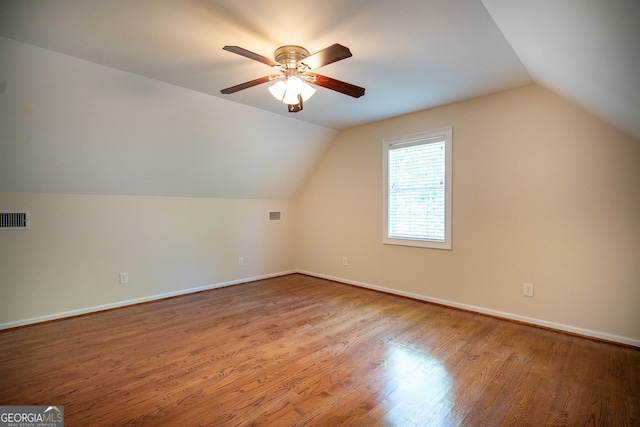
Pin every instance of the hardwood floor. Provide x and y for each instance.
(298, 350)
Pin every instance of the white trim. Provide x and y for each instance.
(511, 316)
(445, 135)
(501, 314)
(119, 304)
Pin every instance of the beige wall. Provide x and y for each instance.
(69, 261)
(195, 176)
(543, 193)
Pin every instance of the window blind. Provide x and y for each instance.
(416, 189)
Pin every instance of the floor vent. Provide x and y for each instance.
(275, 215)
(14, 220)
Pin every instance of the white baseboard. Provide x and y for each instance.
(511, 316)
(524, 319)
(118, 304)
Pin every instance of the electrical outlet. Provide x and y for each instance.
(345, 261)
(528, 290)
(240, 260)
(124, 278)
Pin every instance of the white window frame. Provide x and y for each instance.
(436, 135)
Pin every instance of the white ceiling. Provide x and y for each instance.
(409, 55)
(587, 51)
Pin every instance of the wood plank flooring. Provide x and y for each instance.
(297, 350)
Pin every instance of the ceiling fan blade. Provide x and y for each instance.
(246, 85)
(248, 54)
(333, 53)
(338, 86)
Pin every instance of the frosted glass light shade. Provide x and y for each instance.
(294, 85)
(281, 91)
(307, 92)
(290, 98)
(278, 90)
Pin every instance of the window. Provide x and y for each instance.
(417, 189)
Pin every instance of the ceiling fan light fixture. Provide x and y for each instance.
(278, 90)
(288, 92)
(294, 85)
(290, 98)
(307, 91)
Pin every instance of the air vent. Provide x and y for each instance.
(14, 220)
(275, 215)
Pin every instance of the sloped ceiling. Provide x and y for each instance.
(183, 137)
(587, 51)
(409, 55)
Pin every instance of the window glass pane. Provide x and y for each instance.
(416, 186)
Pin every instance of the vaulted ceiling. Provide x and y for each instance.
(587, 51)
(409, 55)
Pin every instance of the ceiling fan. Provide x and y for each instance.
(295, 66)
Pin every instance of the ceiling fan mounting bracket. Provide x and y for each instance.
(289, 56)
